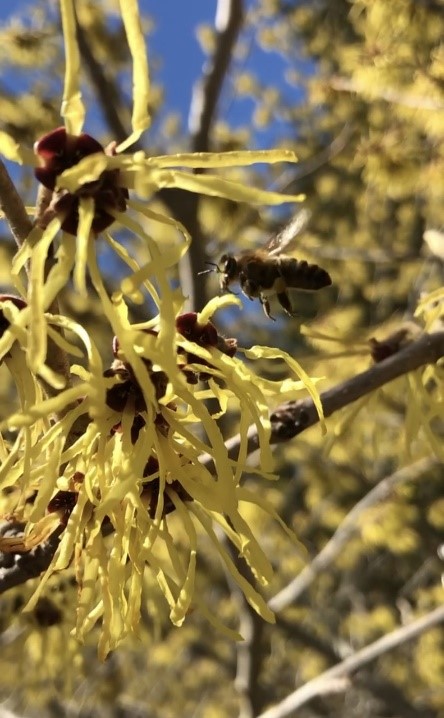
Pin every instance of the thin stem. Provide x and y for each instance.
(346, 530)
(291, 419)
(206, 92)
(337, 678)
(13, 208)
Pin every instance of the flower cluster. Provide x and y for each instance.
(128, 464)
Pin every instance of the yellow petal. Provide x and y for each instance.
(72, 106)
(141, 82)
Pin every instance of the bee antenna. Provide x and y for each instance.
(214, 268)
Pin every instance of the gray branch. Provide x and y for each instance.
(292, 418)
(346, 530)
(336, 679)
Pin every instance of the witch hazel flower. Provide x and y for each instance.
(125, 462)
(58, 151)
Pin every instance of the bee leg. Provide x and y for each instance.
(248, 288)
(284, 301)
(224, 288)
(266, 306)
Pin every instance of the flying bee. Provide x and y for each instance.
(263, 272)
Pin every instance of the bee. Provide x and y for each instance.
(264, 272)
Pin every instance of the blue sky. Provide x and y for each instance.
(178, 58)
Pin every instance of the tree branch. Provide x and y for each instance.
(380, 688)
(205, 97)
(336, 679)
(250, 651)
(13, 208)
(406, 99)
(229, 17)
(346, 530)
(107, 92)
(291, 419)
(17, 568)
(206, 92)
(181, 204)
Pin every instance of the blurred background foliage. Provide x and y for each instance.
(360, 97)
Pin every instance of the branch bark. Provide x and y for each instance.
(183, 205)
(387, 693)
(204, 101)
(417, 102)
(250, 651)
(14, 210)
(291, 419)
(337, 678)
(18, 568)
(206, 92)
(107, 92)
(346, 530)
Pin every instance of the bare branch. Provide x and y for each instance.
(206, 92)
(373, 256)
(381, 688)
(6, 713)
(346, 530)
(18, 568)
(335, 678)
(107, 92)
(290, 179)
(293, 418)
(250, 651)
(417, 102)
(249, 659)
(181, 204)
(229, 19)
(13, 208)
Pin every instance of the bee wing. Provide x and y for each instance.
(284, 238)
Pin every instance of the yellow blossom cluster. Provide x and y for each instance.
(108, 453)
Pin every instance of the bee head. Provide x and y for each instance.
(229, 264)
(228, 270)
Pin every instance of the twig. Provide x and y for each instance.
(6, 713)
(327, 682)
(381, 688)
(249, 651)
(290, 180)
(18, 568)
(107, 92)
(13, 208)
(229, 15)
(206, 92)
(346, 530)
(343, 254)
(181, 204)
(293, 418)
(417, 102)
(205, 97)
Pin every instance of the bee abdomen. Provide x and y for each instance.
(299, 274)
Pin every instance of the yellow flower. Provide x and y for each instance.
(125, 450)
